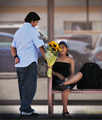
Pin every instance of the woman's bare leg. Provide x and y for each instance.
(65, 95)
(73, 79)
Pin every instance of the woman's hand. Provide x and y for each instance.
(61, 77)
(49, 66)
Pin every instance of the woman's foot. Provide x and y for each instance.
(61, 87)
(66, 114)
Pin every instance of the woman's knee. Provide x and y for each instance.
(80, 74)
(67, 90)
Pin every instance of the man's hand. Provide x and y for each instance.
(17, 60)
(49, 66)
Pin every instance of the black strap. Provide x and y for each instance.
(15, 56)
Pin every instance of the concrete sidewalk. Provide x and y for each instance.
(77, 113)
(43, 109)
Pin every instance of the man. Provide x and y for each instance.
(24, 49)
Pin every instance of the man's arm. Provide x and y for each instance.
(14, 54)
(42, 51)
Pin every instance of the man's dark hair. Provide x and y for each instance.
(31, 16)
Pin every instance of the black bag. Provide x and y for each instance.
(91, 77)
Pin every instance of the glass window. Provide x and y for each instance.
(81, 26)
(76, 26)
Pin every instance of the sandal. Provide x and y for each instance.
(66, 113)
(61, 87)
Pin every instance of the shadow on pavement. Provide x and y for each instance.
(50, 117)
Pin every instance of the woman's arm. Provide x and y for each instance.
(72, 68)
(61, 77)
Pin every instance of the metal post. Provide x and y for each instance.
(101, 16)
(87, 12)
(50, 9)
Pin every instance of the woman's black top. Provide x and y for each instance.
(61, 67)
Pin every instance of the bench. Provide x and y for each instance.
(51, 93)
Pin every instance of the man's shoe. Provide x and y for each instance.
(61, 87)
(34, 113)
(26, 113)
(29, 114)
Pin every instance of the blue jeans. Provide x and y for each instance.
(57, 82)
(27, 82)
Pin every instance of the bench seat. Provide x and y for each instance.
(81, 91)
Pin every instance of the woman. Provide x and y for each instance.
(63, 75)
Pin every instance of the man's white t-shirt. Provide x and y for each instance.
(27, 40)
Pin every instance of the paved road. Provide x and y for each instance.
(9, 90)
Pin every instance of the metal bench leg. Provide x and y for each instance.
(50, 97)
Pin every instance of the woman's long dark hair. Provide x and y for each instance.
(65, 46)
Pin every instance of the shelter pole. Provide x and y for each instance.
(50, 4)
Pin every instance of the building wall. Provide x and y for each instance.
(44, 2)
(14, 11)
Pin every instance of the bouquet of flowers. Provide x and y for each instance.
(51, 53)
